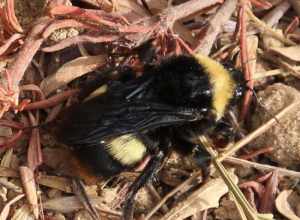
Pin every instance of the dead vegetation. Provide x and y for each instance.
(48, 48)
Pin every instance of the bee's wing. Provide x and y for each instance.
(94, 121)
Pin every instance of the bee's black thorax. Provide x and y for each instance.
(181, 81)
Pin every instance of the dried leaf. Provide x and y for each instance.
(292, 53)
(34, 153)
(27, 177)
(206, 197)
(6, 159)
(60, 183)
(283, 205)
(70, 71)
(59, 205)
(83, 215)
(6, 208)
(4, 182)
(23, 213)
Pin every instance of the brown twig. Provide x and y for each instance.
(262, 167)
(215, 25)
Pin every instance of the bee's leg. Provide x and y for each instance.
(200, 155)
(203, 159)
(151, 168)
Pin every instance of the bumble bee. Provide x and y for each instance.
(117, 125)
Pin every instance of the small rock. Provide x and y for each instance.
(284, 136)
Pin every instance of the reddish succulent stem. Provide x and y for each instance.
(53, 101)
(13, 21)
(261, 4)
(79, 39)
(292, 26)
(76, 12)
(11, 124)
(11, 141)
(244, 61)
(9, 42)
(256, 153)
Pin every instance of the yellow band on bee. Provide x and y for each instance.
(222, 83)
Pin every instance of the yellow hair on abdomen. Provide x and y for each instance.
(222, 83)
(127, 149)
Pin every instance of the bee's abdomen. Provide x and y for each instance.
(112, 156)
(98, 160)
(126, 149)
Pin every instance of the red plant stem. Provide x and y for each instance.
(184, 45)
(22, 105)
(76, 12)
(256, 186)
(11, 141)
(9, 42)
(11, 124)
(53, 101)
(261, 4)
(268, 199)
(256, 153)
(79, 39)
(264, 177)
(13, 21)
(292, 26)
(244, 61)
